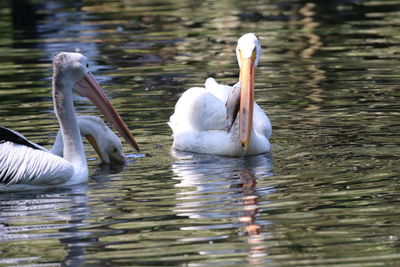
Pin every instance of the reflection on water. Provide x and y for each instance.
(27, 218)
(224, 189)
(328, 77)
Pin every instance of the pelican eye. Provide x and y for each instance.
(240, 53)
(253, 55)
(87, 65)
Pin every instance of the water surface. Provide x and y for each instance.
(329, 80)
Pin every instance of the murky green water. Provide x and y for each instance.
(327, 195)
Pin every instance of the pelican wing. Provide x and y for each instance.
(7, 134)
(221, 91)
(200, 110)
(261, 122)
(20, 164)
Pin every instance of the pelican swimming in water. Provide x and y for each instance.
(106, 144)
(224, 120)
(24, 167)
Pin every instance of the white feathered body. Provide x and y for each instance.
(199, 123)
(22, 166)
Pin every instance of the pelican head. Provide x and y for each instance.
(248, 52)
(106, 144)
(248, 46)
(71, 70)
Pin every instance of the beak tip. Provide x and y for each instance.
(244, 145)
(135, 146)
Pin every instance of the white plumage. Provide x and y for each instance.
(25, 165)
(203, 116)
(199, 123)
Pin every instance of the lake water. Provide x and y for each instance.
(329, 78)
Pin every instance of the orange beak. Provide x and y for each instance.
(88, 87)
(247, 73)
(94, 144)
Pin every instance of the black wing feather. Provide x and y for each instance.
(12, 136)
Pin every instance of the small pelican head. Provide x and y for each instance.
(248, 47)
(69, 67)
(104, 141)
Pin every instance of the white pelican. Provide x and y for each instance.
(205, 121)
(23, 167)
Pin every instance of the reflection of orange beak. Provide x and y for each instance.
(246, 108)
(89, 88)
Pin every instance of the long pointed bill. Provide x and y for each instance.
(246, 108)
(89, 88)
(94, 144)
